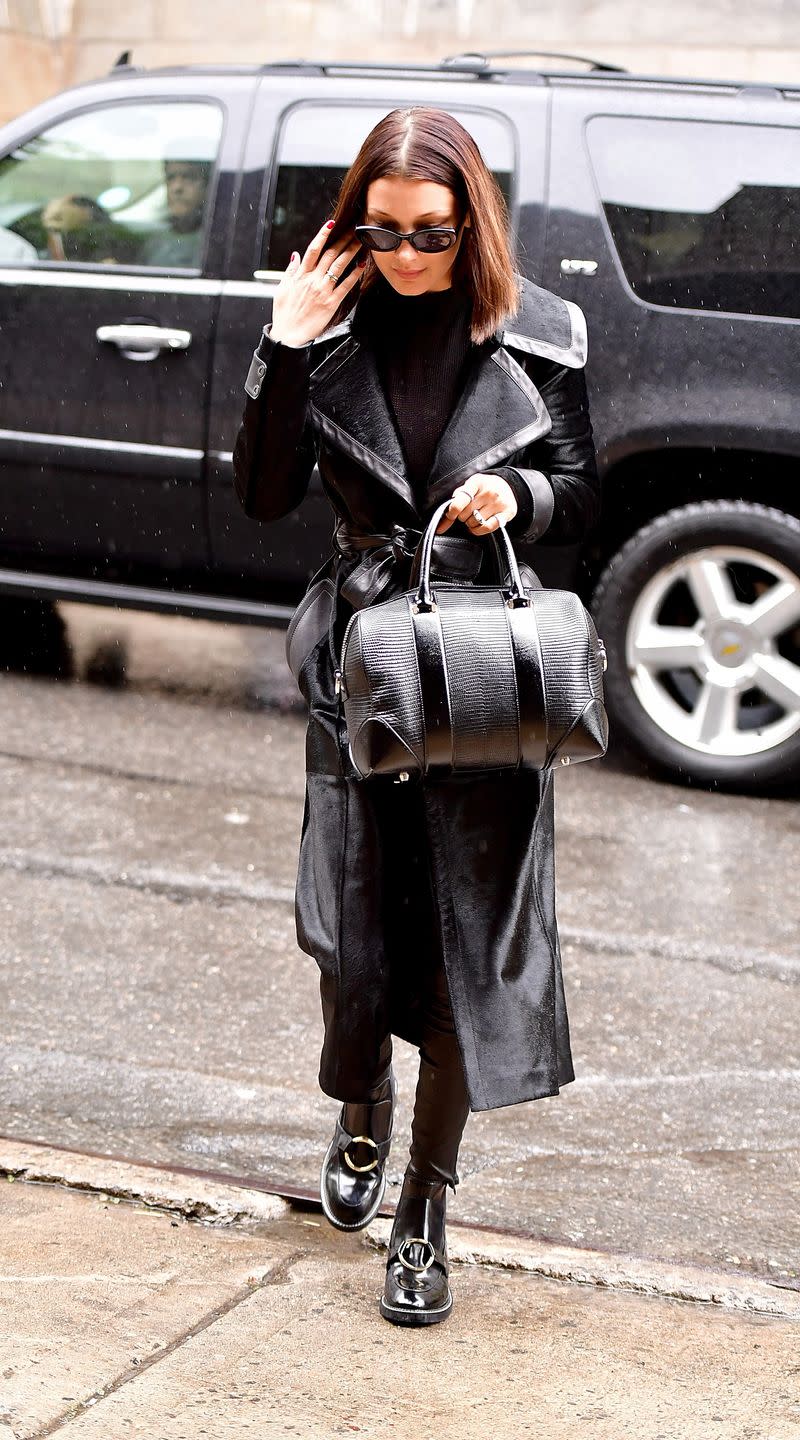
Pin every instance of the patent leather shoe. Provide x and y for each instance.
(352, 1179)
(417, 1290)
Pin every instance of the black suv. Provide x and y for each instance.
(144, 223)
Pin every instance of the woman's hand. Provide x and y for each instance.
(307, 297)
(490, 495)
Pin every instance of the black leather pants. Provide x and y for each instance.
(441, 1103)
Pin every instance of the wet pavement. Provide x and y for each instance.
(156, 1005)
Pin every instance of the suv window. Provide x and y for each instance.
(319, 142)
(703, 215)
(124, 184)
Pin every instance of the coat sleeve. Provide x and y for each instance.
(274, 453)
(561, 495)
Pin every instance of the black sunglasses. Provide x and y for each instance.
(429, 241)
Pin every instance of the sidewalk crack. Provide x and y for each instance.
(278, 1274)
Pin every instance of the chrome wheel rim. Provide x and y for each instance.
(713, 651)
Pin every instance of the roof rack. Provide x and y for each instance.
(470, 62)
(478, 60)
(477, 64)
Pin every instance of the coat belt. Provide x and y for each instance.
(388, 555)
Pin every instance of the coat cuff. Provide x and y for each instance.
(534, 496)
(268, 352)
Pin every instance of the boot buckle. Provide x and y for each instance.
(365, 1140)
(416, 1240)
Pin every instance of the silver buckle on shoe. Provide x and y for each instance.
(365, 1140)
(415, 1240)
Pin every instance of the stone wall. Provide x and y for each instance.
(48, 44)
(31, 64)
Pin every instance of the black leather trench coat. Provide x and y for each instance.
(393, 875)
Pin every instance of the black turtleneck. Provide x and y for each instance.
(423, 349)
(422, 345)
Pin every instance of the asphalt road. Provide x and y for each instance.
(154, 1004)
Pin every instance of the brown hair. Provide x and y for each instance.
(424, 142)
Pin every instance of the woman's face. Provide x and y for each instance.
(403, 204)
(64, 214)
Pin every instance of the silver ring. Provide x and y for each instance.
(476, 515)
(331, 275)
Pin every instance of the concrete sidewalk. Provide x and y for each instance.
(147, 1303)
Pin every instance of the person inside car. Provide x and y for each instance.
(179, 244)
(78, 228)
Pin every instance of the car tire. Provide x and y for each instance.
(700, 615)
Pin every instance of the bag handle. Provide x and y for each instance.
(423, 600)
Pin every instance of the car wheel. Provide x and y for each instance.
(700, 615)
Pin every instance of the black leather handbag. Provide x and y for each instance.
(471, 677)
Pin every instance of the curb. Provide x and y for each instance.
(206, 1200)
(216, 1203)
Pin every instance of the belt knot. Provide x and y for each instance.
(387, 557)
(386, 554)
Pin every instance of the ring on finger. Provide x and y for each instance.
(476, 515)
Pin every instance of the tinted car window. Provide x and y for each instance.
(318, 143)
(124, 184)
(703, 215)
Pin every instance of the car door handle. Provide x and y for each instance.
(144, 342)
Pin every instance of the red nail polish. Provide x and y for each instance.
(329, 225)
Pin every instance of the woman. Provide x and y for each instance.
(78, 228)
(428, 905)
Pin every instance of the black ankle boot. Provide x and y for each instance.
(416, 1290)
(352, 1180)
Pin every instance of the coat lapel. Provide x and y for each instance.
(351, 412)
(498, 412)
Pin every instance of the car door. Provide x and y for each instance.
(297, 153)
(107, 320)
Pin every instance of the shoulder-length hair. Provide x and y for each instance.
(423, 142)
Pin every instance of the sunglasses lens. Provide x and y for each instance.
(377, 239)
(429, 241)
